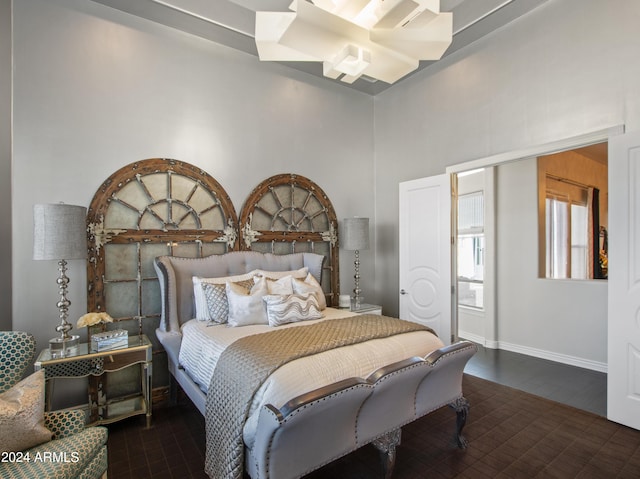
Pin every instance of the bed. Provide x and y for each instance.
(349, 396)
(156, 224)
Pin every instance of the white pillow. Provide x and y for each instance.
(247, 308)
(277, 286)
(291, 308)
(22, 415)
(310, 285)
(210, 296)
(297, 273)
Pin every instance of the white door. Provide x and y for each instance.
(623, 388)
(425, 253)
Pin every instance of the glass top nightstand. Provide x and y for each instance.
(90, 364)
(135, 343)
(365, 308)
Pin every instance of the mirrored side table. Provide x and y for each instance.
(365, 308)
(87, 364)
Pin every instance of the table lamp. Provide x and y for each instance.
(355, 237)
(60, 233)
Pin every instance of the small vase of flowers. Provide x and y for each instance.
(94, 322)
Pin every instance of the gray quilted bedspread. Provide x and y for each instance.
(248, 362)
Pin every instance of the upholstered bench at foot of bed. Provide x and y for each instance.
(352, 413)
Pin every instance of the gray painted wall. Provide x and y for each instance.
(96, 89)
(563, 70)
(566, 317)
(5, 165)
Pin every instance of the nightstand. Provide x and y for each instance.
(87, 364)
(367, 309)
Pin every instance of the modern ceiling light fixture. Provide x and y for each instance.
(382, 39)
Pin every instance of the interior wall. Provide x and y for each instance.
(5, 165)
(557, 319)
(96, 89)
(563, 70)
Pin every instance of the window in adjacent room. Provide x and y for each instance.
(471, 250)
(573, 197)
(567, 232)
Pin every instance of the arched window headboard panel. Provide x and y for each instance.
(146, 209)
(289, 213)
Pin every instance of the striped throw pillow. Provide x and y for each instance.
(283, 309)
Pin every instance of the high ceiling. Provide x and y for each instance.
(232, 23)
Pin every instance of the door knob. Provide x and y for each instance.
(402, 291)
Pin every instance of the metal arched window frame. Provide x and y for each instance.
(146, 209)
(289, 213)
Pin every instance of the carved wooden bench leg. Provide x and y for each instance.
(386, 445)
(461, 407)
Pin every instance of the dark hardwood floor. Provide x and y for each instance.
(581, 388)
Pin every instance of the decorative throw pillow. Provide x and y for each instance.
(22, 415)
(297, 273)
(310, 285)
(291, 308)
(246, 307)
(210, 296)
(277, 286)
(217, 309)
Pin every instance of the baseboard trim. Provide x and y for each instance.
(537, 353)
(476, 338)
(551, 356)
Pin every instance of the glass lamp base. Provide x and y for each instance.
(356, 301)
(61, 348)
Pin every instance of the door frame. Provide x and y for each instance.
(488, 338)
(557, 146)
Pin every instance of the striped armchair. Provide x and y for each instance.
(85, 448)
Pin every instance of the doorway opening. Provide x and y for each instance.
(514, 199)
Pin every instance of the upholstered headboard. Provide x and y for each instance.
(175, 276)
